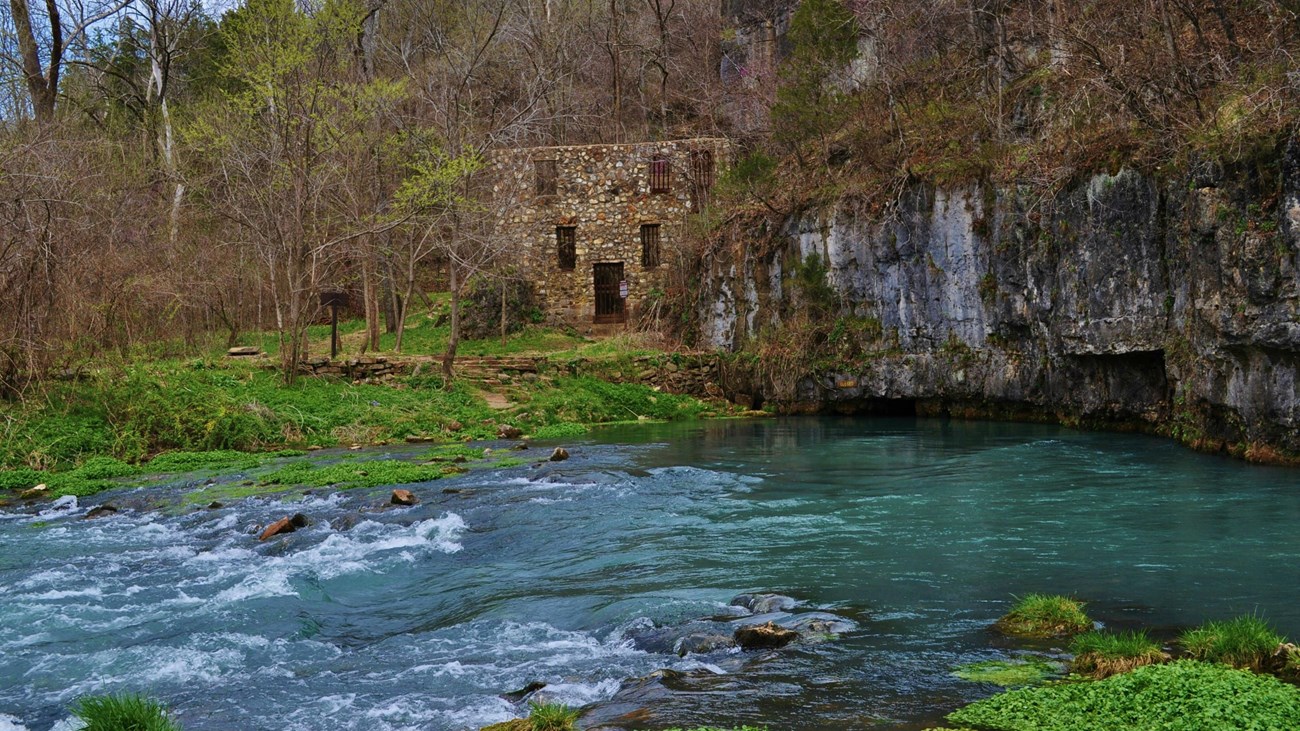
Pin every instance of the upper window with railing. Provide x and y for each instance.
(701, 177)
(661, 174)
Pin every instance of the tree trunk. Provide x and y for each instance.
(42, 85)
(370, 296)
(453, 340)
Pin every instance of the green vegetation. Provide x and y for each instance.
(1103, 654)
(123, 712)
(1044, 615)
(1182, 696)
(1244, 642)
(167, 417)
(823, 38)
(1010, 673)
(551, 717)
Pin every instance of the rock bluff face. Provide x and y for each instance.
(1121, 301)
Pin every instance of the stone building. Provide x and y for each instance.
(594, 224)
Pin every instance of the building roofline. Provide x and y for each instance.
(645, 143)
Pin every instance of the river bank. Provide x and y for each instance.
(148, 419)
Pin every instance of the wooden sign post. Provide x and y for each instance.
(334, 299)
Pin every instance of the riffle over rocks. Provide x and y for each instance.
(1125, 300)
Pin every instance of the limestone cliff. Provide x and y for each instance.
(1125, 300)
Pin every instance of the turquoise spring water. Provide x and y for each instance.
(919, 531)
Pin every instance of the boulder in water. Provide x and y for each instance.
(100, 511)
(701, 643)
(37, 491)
(518, 696)
(287, 524)
(768, 636)
(404, 497)
(764, 603)
(560, 454)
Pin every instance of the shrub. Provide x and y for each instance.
(551, 717)
(1180, 696)
(480, 313)
(123, 712)
(1244, 642)
(1044, 615)
(1103, 654)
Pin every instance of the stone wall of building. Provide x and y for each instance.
(604, 193)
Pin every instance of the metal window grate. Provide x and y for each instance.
(547, 176)
(649, 245)
(566, 240)
(661, 172)
(701, 178)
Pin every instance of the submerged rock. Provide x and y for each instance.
(100, 511)
(701, 643)
(768, 636)
(764, 603)
(818, 624)
(517, 696)
(345, 523)
(404, 497)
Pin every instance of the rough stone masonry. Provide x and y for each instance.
(602, 202)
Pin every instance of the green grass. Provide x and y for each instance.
(552, 717)
(1009, 673)
(1182, 696)
(1044, 615)
(349, 475)
(1103, 654)
(563, 430)
(123, 712)
(152, 417)
(1244, 642)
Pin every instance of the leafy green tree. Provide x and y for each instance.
(811, 101)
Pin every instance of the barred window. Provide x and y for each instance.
(702, 167)
(546, 176)
(701, 177)
(649, 245)
(661, 171)
(566, 239)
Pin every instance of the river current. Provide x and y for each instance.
(918, 531)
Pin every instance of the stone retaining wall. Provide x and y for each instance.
(694, 374)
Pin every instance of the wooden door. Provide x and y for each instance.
(609, 305)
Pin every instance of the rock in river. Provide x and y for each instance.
(764, 603)
(767, 636)
(560, 454)
(404, 497)
(100, 511)
(284, 525)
